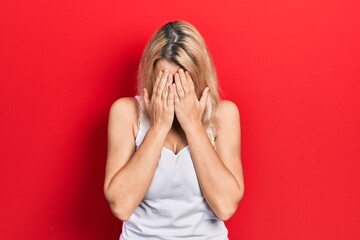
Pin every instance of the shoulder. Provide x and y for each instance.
(227, 106)
(226, 113)
(124, 111)
(124, 104)
(226, 109)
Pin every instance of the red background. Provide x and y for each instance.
(292, 67)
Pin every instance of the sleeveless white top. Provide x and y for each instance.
(174, 206)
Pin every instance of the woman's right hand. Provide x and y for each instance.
(160, 105)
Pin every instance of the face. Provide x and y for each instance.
(163, 64)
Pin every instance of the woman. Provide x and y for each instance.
(173, 168)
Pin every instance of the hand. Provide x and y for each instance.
(188, 108)
(161, 104)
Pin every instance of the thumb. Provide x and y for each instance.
(146, 98)
(204, 96)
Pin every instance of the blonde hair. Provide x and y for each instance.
(180, 43)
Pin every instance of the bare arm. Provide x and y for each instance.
(218, 169)
(128, 172)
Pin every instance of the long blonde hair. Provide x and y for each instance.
(180, 43)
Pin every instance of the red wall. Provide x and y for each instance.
(292, 67)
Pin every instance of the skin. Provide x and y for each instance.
(175, 114)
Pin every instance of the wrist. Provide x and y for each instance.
(159, 129)
(193, 127)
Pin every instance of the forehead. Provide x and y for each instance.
(163, 64)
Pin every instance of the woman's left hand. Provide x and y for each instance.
(188, 108)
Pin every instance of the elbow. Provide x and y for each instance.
(118, 211)
(226, 213)
(228, 210)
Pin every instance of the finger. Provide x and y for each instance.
(179, 88)
(190, 81)
(204, 96)
(184, 81)
(162, 83)
(169, 80)
(176, 97)
(170, 99)
(146, 98)
(165, 92)
(156, 84)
